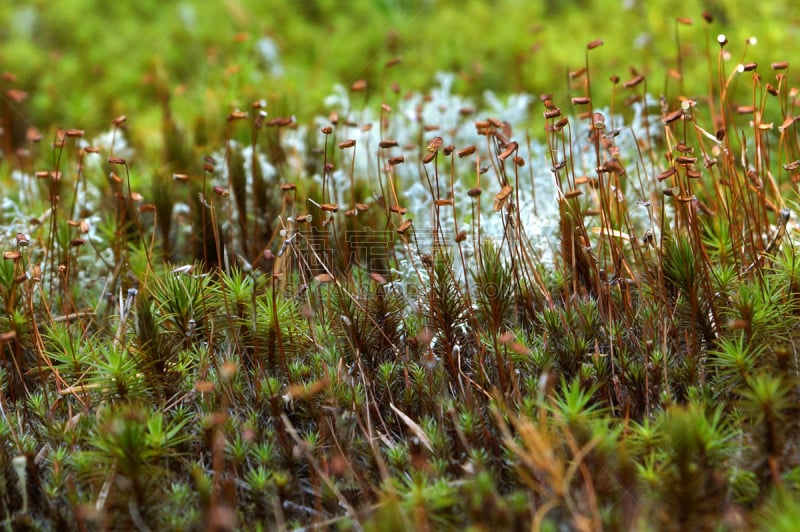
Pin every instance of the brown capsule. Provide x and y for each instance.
(613, 165)
(116, 160)
(428, 157)
(683, 148)
(21, 278)
(378, 278)
(358, 85)
(561, 123)
(572, 194)
(175, 177)
(671, 191)
(694, 174)
(552, 113)
(327, 130)
(594, 44)
(404, 226)
(461, 236)
(745, 109)
(474, 192)
(519, 161)
(510, 149)
(448, 149)
(581, 100)
(435, 144)
(684, 160)
(328, 167)
(495, 122)
(443, 202)
(362, 207)
(324, 278)
(780, 65)
(431, 127)
(329, 207)
(577, 73)
(42, 174)
(500, 197)
(22, 240)
(74, 132)
(221, 191)
(333, 118)
(748, 67)
(708, 17)
(75, 242)
(771, 89)
(673, 116)
(794, 165)
(598, 121)
(349, 143)
(33, 135)
(633, 81)
(603, 169)
(666, 175)
(720, 134)
(399, 159)
(12, 255)
(466, 111)
(393, 61)
(389, 143)
(147, 207)
(469, 150)
(788, 121)
(16, 95)
(303, 218)
(398, 209)
(237, 115)
(7, 336)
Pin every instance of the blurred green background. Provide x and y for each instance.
(82, 62)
